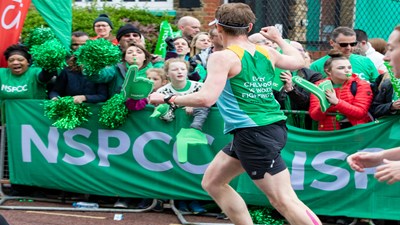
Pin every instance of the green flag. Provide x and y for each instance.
(58, 15)
(165, 31)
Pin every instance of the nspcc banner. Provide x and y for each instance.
(139, 160)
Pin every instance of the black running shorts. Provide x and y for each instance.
(259, 148)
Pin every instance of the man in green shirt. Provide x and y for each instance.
(344, 39)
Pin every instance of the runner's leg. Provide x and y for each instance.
(283, 198)
(216, 182)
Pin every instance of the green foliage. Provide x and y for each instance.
(83, 17)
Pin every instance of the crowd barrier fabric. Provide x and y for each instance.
(139, 159)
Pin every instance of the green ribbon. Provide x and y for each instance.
(318, 91)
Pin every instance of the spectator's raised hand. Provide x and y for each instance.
(286, 78)
(272, 33)
(170, 44)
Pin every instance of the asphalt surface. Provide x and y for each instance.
(45, 213)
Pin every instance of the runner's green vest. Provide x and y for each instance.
(247, 99)
(24, 86)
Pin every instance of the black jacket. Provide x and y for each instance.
(71, 83)
(383, 100)
(299, 98)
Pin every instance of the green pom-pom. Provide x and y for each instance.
(67, 114)
(97, 54)
(39, 36)
(262, 215)
(50, 55)
(114, 112)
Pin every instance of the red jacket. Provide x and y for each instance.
(354, 107)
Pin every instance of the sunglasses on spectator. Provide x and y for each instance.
(343, 45)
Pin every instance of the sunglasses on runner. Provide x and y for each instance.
(343, 45)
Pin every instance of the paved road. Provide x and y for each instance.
(49, 217)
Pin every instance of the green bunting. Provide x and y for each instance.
(50, 55)
(114, 112)
(39, 36)
(97, 54)
(263, 216)
(67, 114)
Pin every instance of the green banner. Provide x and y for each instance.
(139, 159)
(58, 15)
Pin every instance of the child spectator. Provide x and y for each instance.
(158, 76)
(177, 72)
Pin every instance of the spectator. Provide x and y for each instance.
(350, 96)
(78, 39)
(189, 26)
(71, 82)
(369, 51)
(177, 72)
(179, 48)
(259, 39)
(103, 26)
(128, 34)
(158, 76)
(114, 76)
(307, 59)
(200, 42)
(387, 162)
(292, 97)
(379, 45)
(19, 80)
(343, 39)
(386, 102)
(160, 79)
(216, 42)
